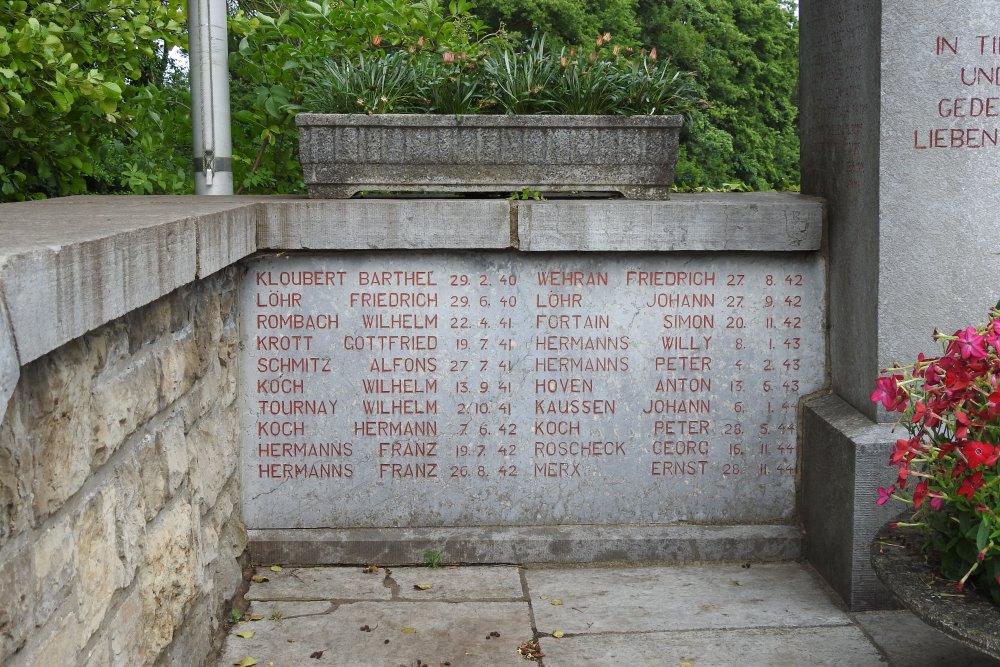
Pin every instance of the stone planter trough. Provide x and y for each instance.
(343, 154)
(967, 616)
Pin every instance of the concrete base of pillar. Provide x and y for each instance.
(845, 458)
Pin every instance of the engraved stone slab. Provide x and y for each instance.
(494, 388)
(940, 139)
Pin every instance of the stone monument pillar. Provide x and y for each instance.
(900, 122)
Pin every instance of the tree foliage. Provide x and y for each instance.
(73, 79)
(746, 56)
(573, 22)
(744, 51)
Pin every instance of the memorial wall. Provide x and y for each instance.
(501, 388)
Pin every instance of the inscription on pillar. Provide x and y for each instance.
(443, 389)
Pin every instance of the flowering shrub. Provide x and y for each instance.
(948, 473)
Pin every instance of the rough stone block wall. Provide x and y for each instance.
(120, 516)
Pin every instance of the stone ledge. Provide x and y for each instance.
(753, 221)
(70, 265)
(380, 224)
(544, 544)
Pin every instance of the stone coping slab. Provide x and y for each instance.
(753, 221)
(70, 265)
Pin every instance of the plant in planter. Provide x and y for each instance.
(948, 471)
(496, 119)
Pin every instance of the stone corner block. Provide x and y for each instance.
(845, 458)
(754, 221)
(384, 224)
(225, 238)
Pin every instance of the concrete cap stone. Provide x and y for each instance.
(70, 265)
(758, 221)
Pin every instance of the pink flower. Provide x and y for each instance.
(936, 503)
(971, 344)
(884, 494)
(888, 393)
(902, 451)
(993, 337)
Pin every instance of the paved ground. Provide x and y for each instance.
(685, 616)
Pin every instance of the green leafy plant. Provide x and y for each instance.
(504, 78)
(526, 194)
(519, 79)
(586, 87)
(372, 85)
(433, 558)
(452, 85)
(948, 471)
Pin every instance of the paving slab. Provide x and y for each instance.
(459, 583)
(475, 634)
(320, 583)
(774, 647)
(649, 599)
(906, 640)
(284, 610)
